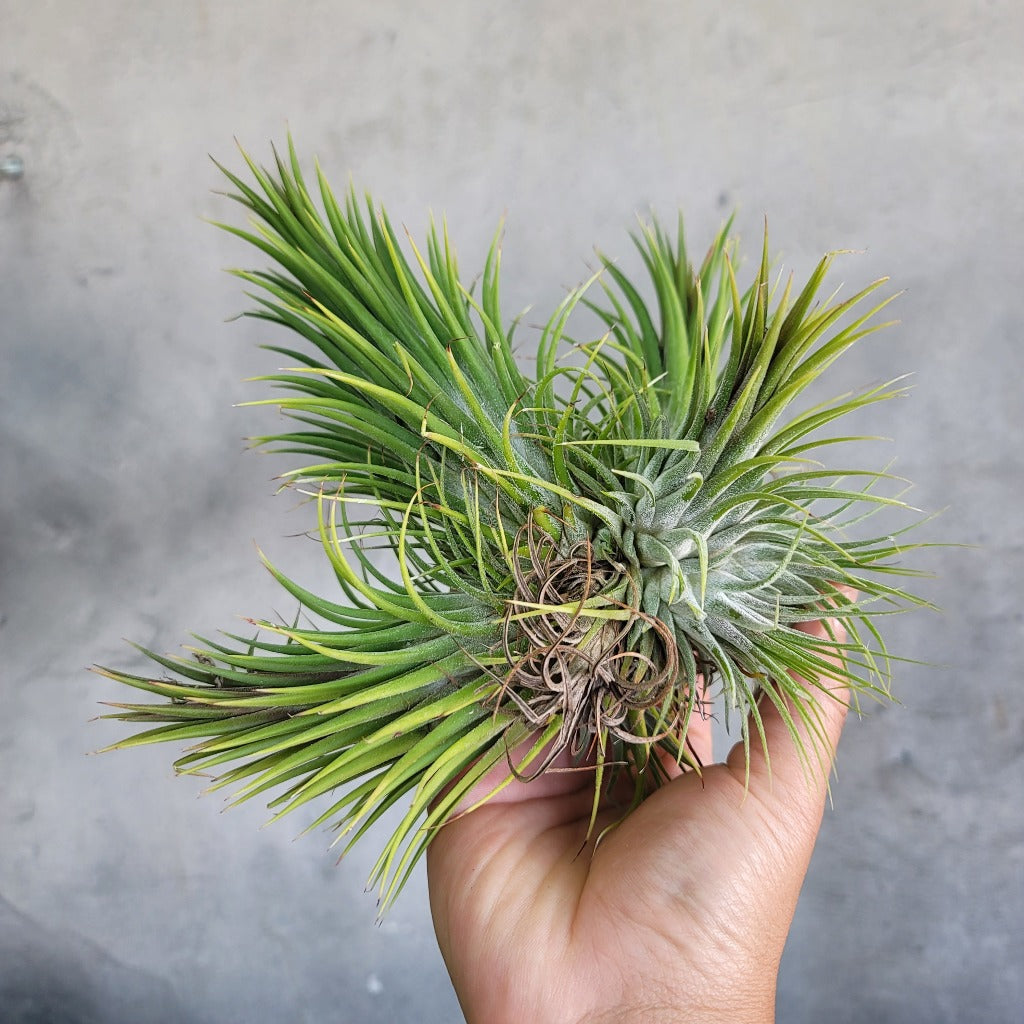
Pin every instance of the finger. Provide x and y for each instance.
(800, 739)
(499, 785)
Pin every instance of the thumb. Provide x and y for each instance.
(793, 740)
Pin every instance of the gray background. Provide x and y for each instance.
(128, 509)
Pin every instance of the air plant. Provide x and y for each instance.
(582, 557)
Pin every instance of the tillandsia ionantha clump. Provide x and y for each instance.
(584, 555)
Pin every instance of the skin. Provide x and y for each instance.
(680, 913)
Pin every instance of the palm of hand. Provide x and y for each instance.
(682, 909)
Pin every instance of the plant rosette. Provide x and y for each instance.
(580, 559)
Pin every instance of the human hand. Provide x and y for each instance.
(679, 914)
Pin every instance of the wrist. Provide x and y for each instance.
(682, 1014)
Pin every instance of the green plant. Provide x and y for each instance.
(582, 556)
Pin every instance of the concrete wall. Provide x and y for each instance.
(128, 509)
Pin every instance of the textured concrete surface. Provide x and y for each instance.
(128, 509)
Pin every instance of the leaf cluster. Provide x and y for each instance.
(581, 553)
